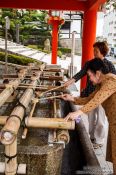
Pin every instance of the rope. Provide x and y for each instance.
(10, 157)
(14, 116)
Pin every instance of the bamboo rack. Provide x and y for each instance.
(13, 123)
(10, 130)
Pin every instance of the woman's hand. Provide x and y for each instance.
(73, 115)
(69, 82)
(67, 97)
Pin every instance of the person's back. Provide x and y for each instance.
(110, 103)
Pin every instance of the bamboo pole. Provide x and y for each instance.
(29, 84)
(55, 88)
(51, 78)
(3, 119)
(54, 105)
(55, 115)
(63, 135)
(52, 70)
(50, 123)
(5, 94)
(30, 115)
(11, 165)
(53, 123)
(44, 122)
(10, 76)
(51, 97)
(48, 69)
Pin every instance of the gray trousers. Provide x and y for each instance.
(95, 123)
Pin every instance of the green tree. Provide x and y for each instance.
(110, 3)
(31, 22)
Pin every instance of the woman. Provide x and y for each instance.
(96, 127)
(104, 94)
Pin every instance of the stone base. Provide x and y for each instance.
(39, 157)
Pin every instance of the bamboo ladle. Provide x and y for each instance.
(41, 94)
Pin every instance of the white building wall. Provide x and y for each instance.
(76, 26)
(100, 23)
(109, 28)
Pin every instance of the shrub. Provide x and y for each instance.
(59, 53)
(16, 59)
(40, 47)
(33, 46)
(64, 50)
(37, 47)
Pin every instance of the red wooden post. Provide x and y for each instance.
(89, 36)
(55, 25)
(55, 20)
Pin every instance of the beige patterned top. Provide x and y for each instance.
(101, 95)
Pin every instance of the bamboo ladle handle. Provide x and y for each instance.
(52, 90)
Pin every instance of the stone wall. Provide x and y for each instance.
(67, 43)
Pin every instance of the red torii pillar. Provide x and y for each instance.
(88, 38)
(55, 25)
(55, 22)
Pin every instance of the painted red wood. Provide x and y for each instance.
(44, 4)
(89, 37)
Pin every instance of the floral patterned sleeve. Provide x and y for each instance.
(84, 100)
(106, 90)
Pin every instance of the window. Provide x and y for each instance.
(66, 25)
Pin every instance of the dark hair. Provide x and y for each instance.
(102, 46)
(97, 64)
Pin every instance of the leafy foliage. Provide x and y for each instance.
(31, 22)
(17, 59)
(111, 3)
(64, 50)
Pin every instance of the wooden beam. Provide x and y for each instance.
(94, 4)
(45, 5)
